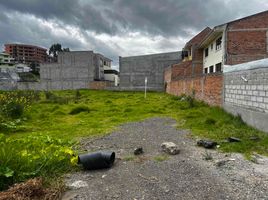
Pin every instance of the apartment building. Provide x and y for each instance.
(27, 54)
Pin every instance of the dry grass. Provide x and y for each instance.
(32, 189)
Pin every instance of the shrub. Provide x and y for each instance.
(79, 109)
(14, 110)
(12, 104)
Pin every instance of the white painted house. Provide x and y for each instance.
(213, 50)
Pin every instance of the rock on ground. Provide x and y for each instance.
(170, 148)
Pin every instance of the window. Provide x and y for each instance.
(218, 43)
(206, 70)
(184, 54)
(218, 67)
(211, 46)
(206, 52)
(211, 69)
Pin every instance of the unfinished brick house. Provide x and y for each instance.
(235, 42)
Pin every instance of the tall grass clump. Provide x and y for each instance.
(13, 105)
(78, 109)
(53, 98)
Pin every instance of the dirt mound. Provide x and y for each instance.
(32, 189)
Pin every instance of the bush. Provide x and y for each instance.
(79, 109)
(13, 104)
(14, 110)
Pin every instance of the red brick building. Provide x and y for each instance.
(26, 53)
(235, 42)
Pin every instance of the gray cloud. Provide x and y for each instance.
(108, 26)
(170, 17)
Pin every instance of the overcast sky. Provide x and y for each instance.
(116, 27)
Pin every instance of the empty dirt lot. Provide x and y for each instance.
(155, 175)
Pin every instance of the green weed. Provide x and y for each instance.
(161, 158)
(129, 158)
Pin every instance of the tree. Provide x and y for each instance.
(66, 50)
(55, 49)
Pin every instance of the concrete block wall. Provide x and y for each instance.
(133, 70)
(252, 94)
(74, 70)
(246, 92)
(6, 86)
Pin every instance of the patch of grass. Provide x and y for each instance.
(33, 156)
(161, 158)
(50, 116)
(129, 158)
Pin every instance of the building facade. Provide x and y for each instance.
(236, 42)
(6, 63)
(134, 69)
(27, 54)
(73, 70)
(192, 58)
(5, 58)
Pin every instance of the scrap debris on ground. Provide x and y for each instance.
(194, 173)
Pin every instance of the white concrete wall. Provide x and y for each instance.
(112, 77)
(214, 56)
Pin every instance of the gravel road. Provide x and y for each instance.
(155, 175)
